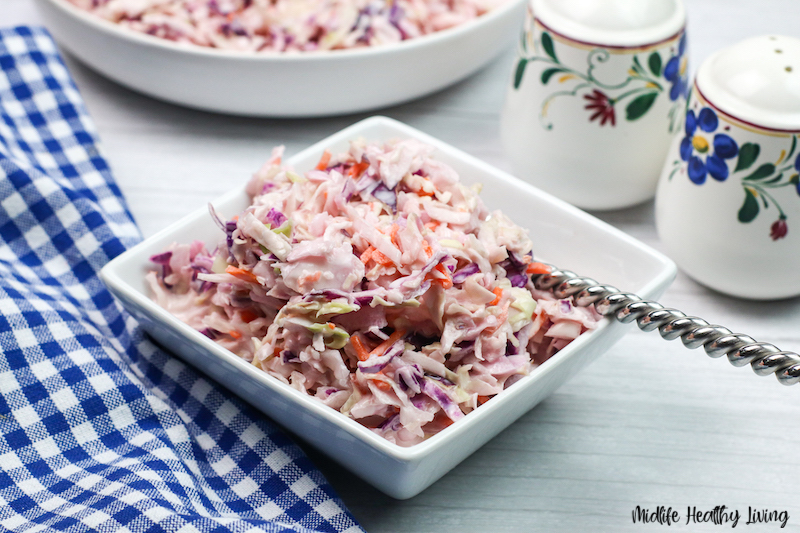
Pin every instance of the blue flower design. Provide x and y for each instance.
(675, 72)
(797, 168)
(694, 147)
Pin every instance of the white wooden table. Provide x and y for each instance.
(649, 424)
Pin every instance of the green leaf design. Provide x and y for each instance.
(791, 150)
(524, 41)
(520, 72)
(547, 44)
(776, 179)
(767, 169)
(654, 62)
(749, 209)
(636, 65)
(640, 105)
(748, 154)
(547, 74)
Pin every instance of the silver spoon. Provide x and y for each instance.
(741, 349)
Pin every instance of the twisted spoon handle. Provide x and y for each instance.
(671, 323)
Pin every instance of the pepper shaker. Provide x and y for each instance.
(597, 91)
(728, 201)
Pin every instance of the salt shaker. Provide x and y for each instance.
(728, 200)
(597, 92)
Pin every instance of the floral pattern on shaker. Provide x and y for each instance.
(601, 107)
(702, 155)
(675, 72)
(637, 92)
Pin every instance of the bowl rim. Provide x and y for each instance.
(419, 451)
(409, 45)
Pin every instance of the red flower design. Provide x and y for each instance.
(779, 229)
(601, 106)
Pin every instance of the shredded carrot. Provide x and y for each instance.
(423, 192)
(324, 160)
(358, 345)
(382, 385)
(247, 315)
(427, 247)
(538, 268)
(385, 345)
(235, 217)
(381, 259)
(501, 318)
(446, 281)
(244, 275)
(367, 255)
(442, 419)
(483, 399)
(235, 334)
(310, 278)
(498, 294)
(331, 326)
(357, 169)
(432, 225)
(393, 234)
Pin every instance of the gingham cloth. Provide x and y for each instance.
(100, 430)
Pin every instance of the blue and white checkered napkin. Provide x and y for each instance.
(99, 429)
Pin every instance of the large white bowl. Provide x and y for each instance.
(282, 85)
(562, 235)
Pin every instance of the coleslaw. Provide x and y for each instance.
(287, 25)
(377, 283)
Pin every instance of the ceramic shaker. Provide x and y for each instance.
(597, 92)
(728, 201)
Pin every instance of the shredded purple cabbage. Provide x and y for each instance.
(391, 424)
(462, 274)
(409, 378)
(230, 227)
(275, 218)
(162, 258)
(289, 357)
(210, 333)
(435, 393)
(518, 280)
(386, 195)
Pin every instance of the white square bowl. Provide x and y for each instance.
(562, 235)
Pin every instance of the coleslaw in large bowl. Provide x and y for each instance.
(302, 84)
